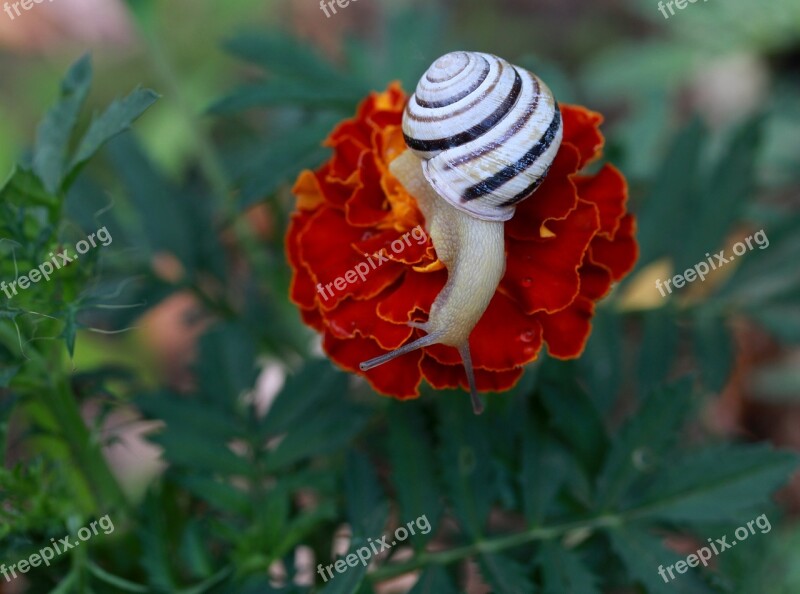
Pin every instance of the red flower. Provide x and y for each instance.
(565, 246)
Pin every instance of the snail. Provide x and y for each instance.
(481, 136)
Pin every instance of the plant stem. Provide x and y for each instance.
(494, 545)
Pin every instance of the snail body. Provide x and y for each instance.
(481, 136)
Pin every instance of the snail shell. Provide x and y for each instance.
(487, 132)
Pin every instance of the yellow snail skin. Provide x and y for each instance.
(481, 136)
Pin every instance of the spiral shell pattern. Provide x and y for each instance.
(487, 132)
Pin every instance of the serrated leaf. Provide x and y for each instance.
(367, 508)
(23, 188)
(178, 412)
(671, 195)
(413, 468)
(643, 555)
(318, 381)
(348, 582)
(572, 413)
(296, 94)
(505, 575)
(322, 434)
(544, 469)
(716, 484)
(643, 439)
(200, 453)
(53, 133)
(659, 347)
(283, 158)
(117, 118)
(465, 461)
(434, 580)
(218, 494)
(283, 55)
(713, 347)
(564, 572)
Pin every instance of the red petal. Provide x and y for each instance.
(301, 290)
(582, 130)
(566, 331)
(609, 191)
(415, 294)
(453, 376)
(345, 159)
(554, 199)
(618, 255)
(397, 246)
(504, 337)
(327, 249)
(351, 317)
(543, 274)
(368, 205)
(595, 280)
(399, 378)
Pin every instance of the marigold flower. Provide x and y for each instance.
(363, 267)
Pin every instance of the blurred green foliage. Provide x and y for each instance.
(586, 494)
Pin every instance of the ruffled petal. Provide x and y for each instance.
(617, 255)
(607, 190)
(543, 275)
(582, 130)
(399, 378)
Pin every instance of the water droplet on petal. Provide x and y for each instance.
(526, 282)
(527, 336)
(367, 235)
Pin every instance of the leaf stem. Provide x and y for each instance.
(493, 545)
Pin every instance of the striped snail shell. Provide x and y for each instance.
(487, 132)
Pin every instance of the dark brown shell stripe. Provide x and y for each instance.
(441, 144)
(511, 171)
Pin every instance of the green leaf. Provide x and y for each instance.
(413, 468)
(345, 583)
(283, 158)
(544, 470)
(505, 575)
(713, 347)
(283, 55)
(640, 445)
(179, 412)
(716, 484)
(564, 572)
(220, 495)
(671, 196)
(573, 414)
(24, 188)
(322, 434)
(643, 555)
(296, 94)
(227, 364)
(201, 453)
(117, 118)
(465, 459)
(659, 347)
(318, 381)
(53, 133)
(367, 508)
(434, 580)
